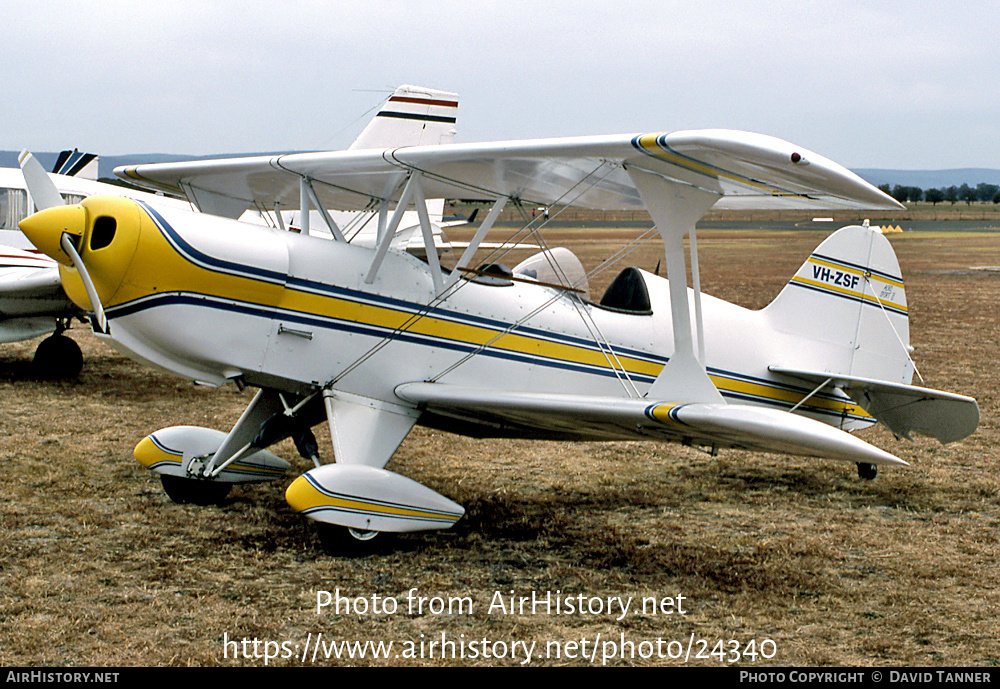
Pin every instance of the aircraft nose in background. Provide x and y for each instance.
(46, 228)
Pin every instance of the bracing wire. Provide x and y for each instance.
(528, 229)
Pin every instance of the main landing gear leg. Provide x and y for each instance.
(199, 465)
(365, 432)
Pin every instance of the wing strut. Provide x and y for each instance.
(412, 192)
(307, 198)
(675, 208)
(470, 251)
(303, 207)
(385, 236)
(278, 219)
(425, 227)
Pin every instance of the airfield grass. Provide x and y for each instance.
(99, 568)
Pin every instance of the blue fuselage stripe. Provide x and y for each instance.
(302, 285)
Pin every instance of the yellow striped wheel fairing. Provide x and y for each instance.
(163, 452)
(364, 497)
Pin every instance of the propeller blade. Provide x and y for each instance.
(43, 191)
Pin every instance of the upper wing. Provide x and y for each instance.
(603, 418)
(748, 170)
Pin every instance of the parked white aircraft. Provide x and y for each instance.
(32, 301)
(411, 116)
(375, 340)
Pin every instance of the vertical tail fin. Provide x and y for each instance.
(413, 116)
(847, 307)
(76, 164)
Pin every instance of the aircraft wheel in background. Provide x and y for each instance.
(867, 471)
(57, 357)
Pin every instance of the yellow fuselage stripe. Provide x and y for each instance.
(160, 268)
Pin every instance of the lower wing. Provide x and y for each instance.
(608, 418)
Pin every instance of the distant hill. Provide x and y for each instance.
(930, 179)
(925, 179)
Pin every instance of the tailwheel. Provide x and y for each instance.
(194, 491)
(867, 471)
(343, 540)
(57, 356)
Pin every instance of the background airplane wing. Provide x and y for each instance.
(31, 295)
(30, 283)
(498, 412)
(748, 170)
(27, 275)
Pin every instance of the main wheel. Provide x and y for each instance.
(867, 471)
(342, 540)
(56, 357)
(194, 491)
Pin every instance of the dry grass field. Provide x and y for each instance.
(98, 567)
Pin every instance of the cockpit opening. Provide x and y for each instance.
(628, 293)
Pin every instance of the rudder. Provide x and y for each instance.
(847, 306)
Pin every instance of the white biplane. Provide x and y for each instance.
(375, 340)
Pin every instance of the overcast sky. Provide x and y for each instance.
(888, 84)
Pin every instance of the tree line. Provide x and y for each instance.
(982, 192)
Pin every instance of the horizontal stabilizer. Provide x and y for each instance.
(364, 497)
(904, 408)
(170, 451)
(612, 418)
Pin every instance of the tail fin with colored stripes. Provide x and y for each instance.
(412, 116)
(847, 305)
